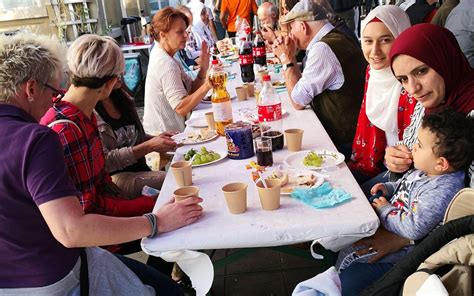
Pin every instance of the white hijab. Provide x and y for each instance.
(200, 29)
(383, 89)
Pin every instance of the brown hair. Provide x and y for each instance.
(163, 20)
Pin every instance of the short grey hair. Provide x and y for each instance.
(94, 56)
(26, 56)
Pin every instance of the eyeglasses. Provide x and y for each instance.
(57, 93)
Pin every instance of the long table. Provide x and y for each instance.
(293, 223)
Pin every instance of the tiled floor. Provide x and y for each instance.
(261, 272)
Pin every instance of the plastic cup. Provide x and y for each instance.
(270, 196)
(185, 192)
(210, 120)
(294, 138)
(241, 93)
(250, 89)
(263, 150)
(235, 195)
(183, 173)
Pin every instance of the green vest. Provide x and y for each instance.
(338, 110)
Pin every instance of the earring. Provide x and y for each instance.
(30, 99)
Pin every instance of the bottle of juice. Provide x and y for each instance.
(221, 105)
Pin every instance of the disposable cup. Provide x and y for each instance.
(183, 173)
(294, 138)
(270, 196)
(250, 89)
(235, 195)
(210, 120)
(241, 93)
(262, 73)
(185, 192)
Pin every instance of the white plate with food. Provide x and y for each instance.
(295, 178)
(314, 159)
(203, 156)
(279, 84)
(195, 137)
(196, 122)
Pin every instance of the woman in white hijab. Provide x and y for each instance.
(200, 28)
(386, 106)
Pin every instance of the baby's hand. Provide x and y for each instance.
(379, 202)
(377, 187)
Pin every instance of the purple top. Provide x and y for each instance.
(32, 172)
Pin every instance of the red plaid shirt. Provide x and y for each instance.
(86, 164)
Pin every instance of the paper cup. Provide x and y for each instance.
(185, 192)
(235, 195)
(183, 173)
(294, 138)
(269, 197)
(210, 120)
(241, 93)
(250, 89)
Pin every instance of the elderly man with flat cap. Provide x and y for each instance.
(333, 78)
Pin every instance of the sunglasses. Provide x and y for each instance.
(57, 93)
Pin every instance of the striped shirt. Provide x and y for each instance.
(166, 86)
(322, 70)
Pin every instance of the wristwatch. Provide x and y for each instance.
(286, 66)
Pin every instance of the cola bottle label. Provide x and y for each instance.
(269, 112)
(246, 59)
(259, 51)
(222, 111)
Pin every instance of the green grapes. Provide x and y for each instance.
(313, 159)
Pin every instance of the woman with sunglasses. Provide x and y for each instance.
(45, 235)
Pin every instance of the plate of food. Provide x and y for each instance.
(294, 178)
(207, 99)
(195, 137)
(279, 84)
(315, 159)
(196, 122)
(204, 156)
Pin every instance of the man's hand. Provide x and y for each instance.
(378, 203)
(398, 158)
(383, 242)
(284, 48)
(268, 34)
(174, 215)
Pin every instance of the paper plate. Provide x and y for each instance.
(193, 137)
(330, 159)
(196, 122)
(293, 178)
(207, 99)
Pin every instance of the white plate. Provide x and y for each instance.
(196, 122)
(209, 102)
(185, 138)
(222, 153)
(331, 158)
(279, 86)
(292, 174)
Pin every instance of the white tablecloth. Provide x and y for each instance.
(293, 223)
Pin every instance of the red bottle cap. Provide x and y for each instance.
(266, 77)
(215, 62)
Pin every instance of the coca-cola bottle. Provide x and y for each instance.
(269, 114)
(259, 53)
(246, 60)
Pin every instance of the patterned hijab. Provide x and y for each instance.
(437, 47)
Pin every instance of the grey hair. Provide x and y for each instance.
(94, 56)
(28, 56)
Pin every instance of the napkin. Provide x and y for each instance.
(324, 196)
(323, 284)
